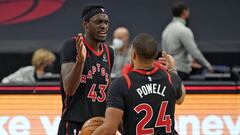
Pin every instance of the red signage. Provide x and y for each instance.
(19, 11)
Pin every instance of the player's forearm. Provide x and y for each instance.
(72, 80)
(104, 130)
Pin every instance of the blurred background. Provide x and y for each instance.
(212, 106)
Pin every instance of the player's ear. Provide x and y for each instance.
(85, 25)
(131, 56)
(134, 54)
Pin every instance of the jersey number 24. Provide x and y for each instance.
(162, 119)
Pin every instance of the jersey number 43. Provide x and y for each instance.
(162, 119)
(93, 94)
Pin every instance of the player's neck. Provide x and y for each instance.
(92, 43)
(143, 65)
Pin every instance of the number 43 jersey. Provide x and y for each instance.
(90, 97)
(148, 100)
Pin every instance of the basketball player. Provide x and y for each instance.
(86, 63)
(145, 98)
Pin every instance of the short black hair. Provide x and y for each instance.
(145, 46)
(178, 8)
(90, 7)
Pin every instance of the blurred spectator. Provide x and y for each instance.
(121, 50)
(178, 41)
(42, 61)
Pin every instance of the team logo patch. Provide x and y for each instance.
(102, 10)
(104, 58)
(149, 78)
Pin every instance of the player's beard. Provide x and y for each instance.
(100, 40)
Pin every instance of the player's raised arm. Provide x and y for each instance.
(170, 64)
(115, 108)
(178, 87)
(71, 72)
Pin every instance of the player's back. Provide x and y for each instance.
(150, 103)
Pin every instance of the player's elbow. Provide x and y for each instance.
(68, 89)
(69, 93)
(179, 101)
(69, 84)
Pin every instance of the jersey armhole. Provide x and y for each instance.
(171, 82)
(127, 80)
(169, 78)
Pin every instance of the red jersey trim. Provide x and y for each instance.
(203, 88)
(157, 64)
(154, 70)
(128, 80)
(67, 128)
(92, 50)
(108, 56)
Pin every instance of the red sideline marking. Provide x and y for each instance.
(238, 87)
(210, 87)
(47, 88)
(39, 88)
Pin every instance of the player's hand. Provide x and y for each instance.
(81, 49)
(167, 61)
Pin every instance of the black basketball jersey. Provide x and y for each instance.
(90, 97)
(148, 100)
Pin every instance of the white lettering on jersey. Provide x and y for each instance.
(151, 88)
(149, 78)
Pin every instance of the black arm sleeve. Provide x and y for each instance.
(116, 93)
(177, 84)
(111, 53)
(68, 51)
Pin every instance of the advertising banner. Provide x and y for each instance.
(201, 114)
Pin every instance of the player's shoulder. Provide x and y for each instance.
(174, 74)
(67, 45)
(69, 42)
(175, 78)
(120, 82)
